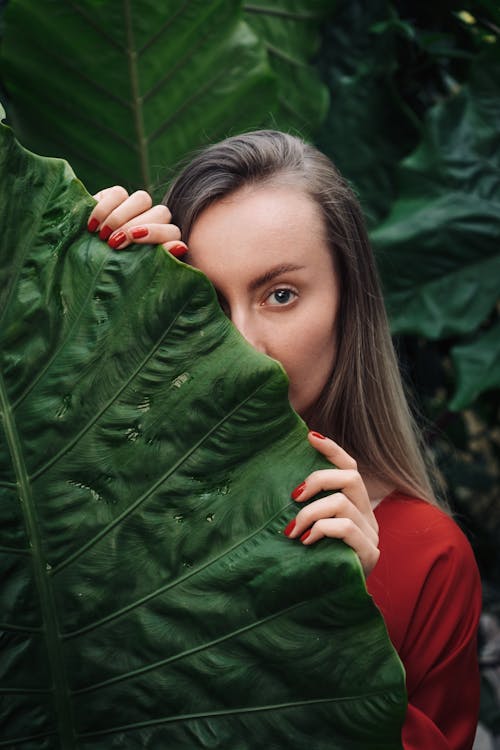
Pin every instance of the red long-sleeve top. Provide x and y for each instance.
(427, 586)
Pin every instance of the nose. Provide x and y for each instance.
(249, 328)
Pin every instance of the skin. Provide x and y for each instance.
(275, 280)
(264, 249)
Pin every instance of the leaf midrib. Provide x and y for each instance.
(190, 651)
(137, 108)
(171, 584)
(42, 581)
(232, 712)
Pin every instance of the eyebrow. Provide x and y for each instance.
(272, 273)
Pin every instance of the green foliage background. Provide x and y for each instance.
(404, 96)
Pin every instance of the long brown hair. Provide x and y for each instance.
(363, 405)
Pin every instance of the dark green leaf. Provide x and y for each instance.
(289, 30)
(367, 128)
(438, 249)
(477, 365)
(128, 88)
(147, 452)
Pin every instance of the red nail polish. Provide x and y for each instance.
(117, 239)
(139, 232)
(305, 535)
(178, 250)
(105, 232)
(92, 225)
(298, 490)
(317, 435)
(290, 527)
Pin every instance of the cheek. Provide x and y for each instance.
(308, 361)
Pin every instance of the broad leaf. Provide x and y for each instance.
(477, 364)
(289, 30)
(131, 86)
(150, 598)
(367, 128)
(438, 249)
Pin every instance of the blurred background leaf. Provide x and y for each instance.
(128, 88)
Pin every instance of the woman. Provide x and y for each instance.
(279, 233)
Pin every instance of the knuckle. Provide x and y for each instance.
(305, 515)
(144, 198)
(353, 478)
(163, 213)
(315, 478)
(119, 191)
(347, 527)
(340, 503)
(321, 526)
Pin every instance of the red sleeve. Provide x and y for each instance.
(427, 587)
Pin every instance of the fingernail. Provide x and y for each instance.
(317, 435)
(92, 225)
(105, 232)
(290, 527)
(305, 535)
(178, 250)
(298, 490)
(117, 239)
(139, 232)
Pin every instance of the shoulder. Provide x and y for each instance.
(426, 584)
(426, 569)
(424, 555)
(410, 524)
(421, 545)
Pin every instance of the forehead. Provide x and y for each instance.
(257, 209)
(256, 227)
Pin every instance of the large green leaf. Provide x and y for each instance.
(289, 29)
(367, 128)
(438, 248)
(128, 87)
(477, 364)
(150, 598)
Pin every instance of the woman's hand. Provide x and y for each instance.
(345, 514)
(122, 219)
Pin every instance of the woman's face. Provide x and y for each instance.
(265, 251)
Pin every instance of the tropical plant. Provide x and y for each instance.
(413, 122)
(147, 452)
(129, 87)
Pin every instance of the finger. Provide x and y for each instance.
(135, 205)
(333, 452)
(350, 533)
(158, 214)
(114, 210)
(155, 234)
(334, 506)
(108, 199)
(177, 249)
(349, 481)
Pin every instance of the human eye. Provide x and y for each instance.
(280, 297)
